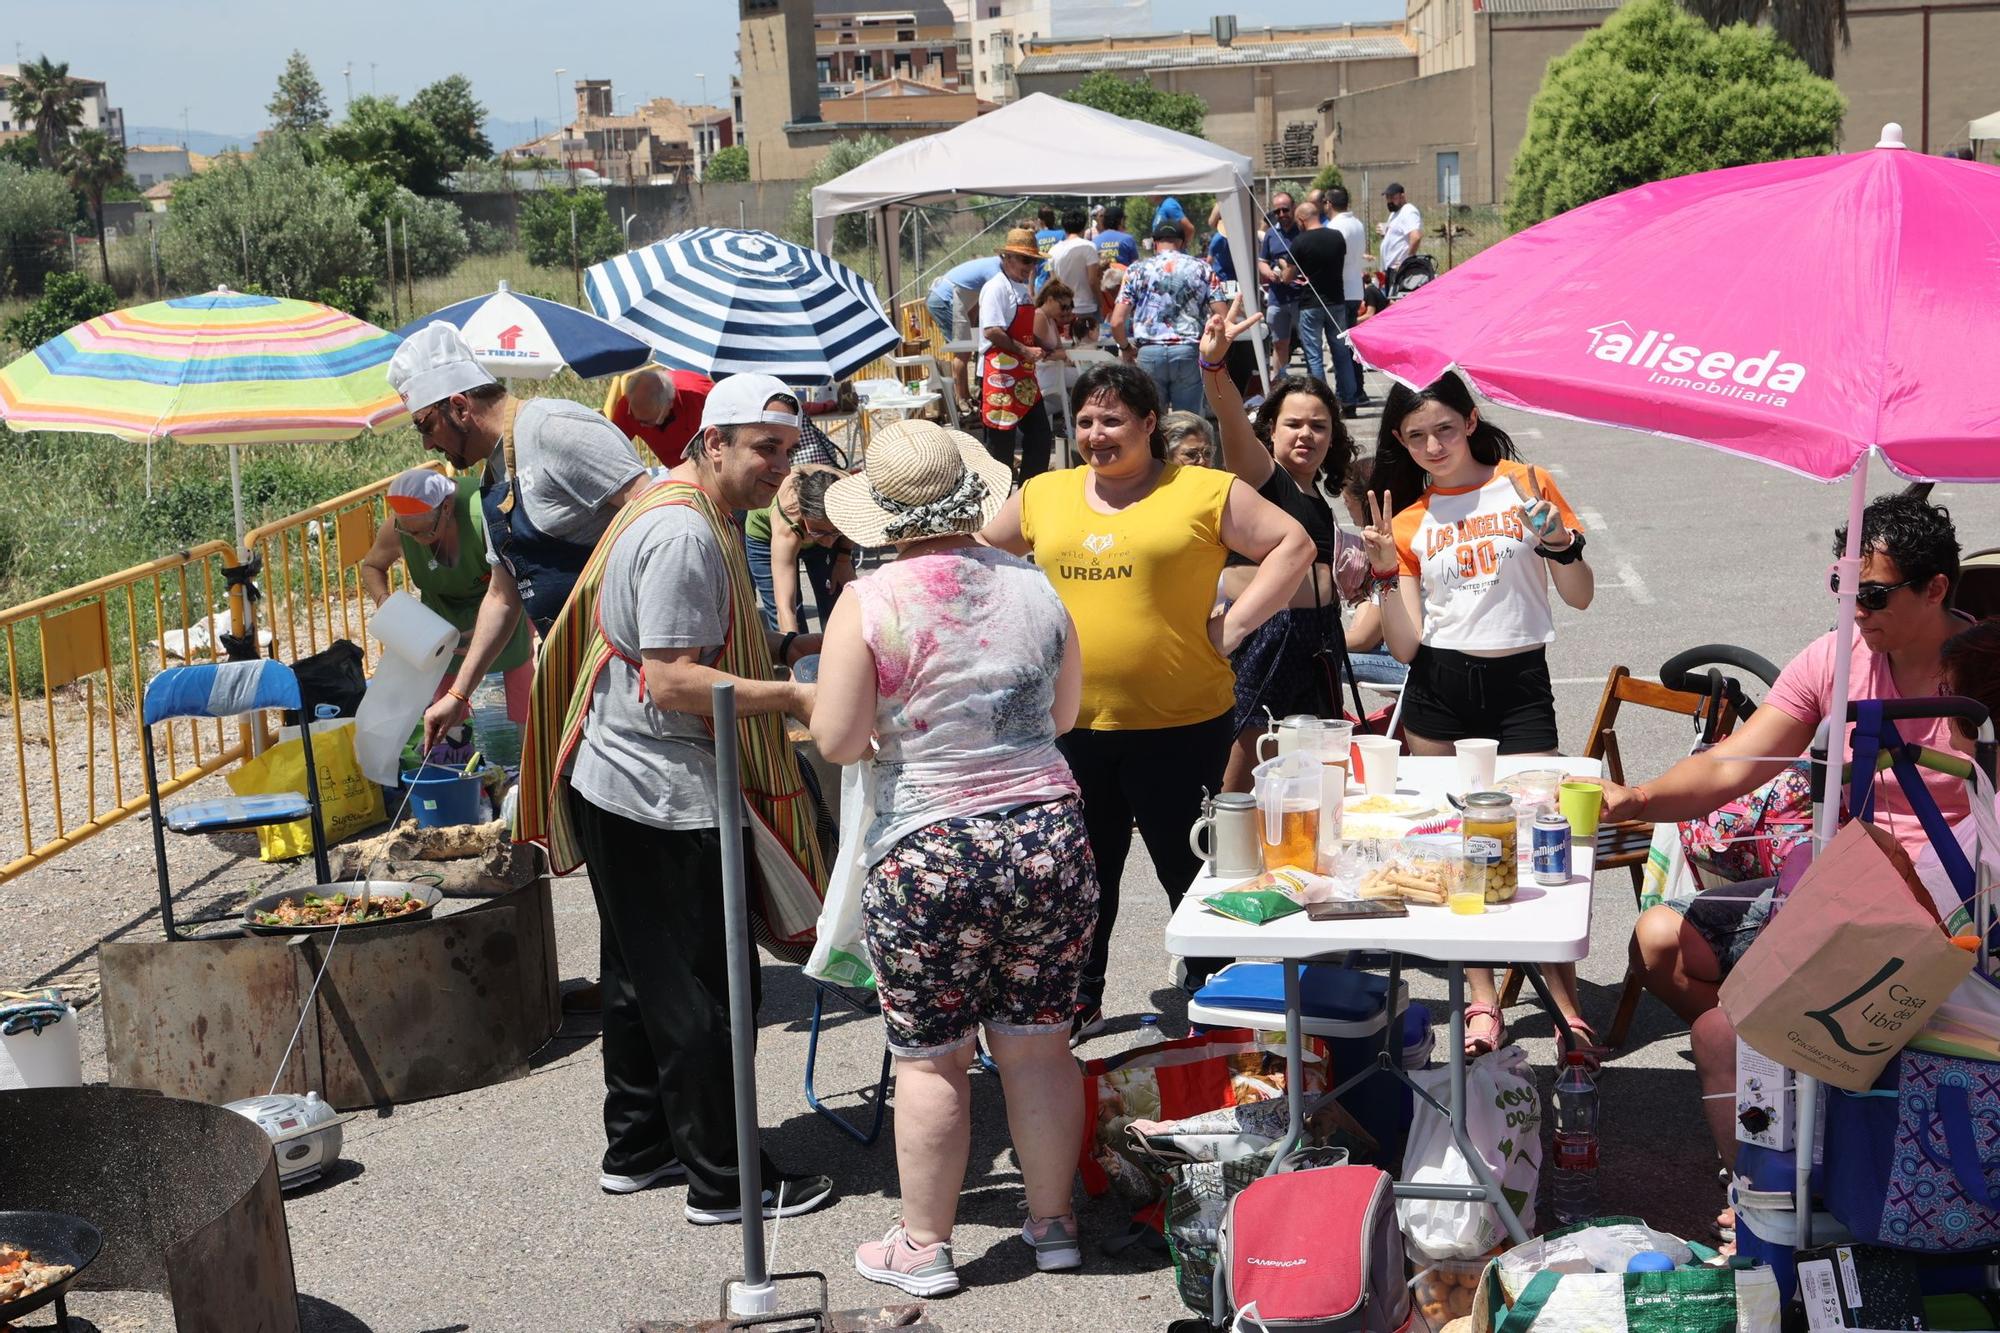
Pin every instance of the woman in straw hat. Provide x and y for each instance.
(960, 664)
(438, 530)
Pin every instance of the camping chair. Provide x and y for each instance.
(1978, 590)
(861, 1002)
(1627, 843)
(224, 689)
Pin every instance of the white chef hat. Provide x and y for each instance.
(433, 364)
(420, 490)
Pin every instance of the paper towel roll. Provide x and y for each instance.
(417, 644)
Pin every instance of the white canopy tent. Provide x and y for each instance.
(1042, 145)
(1986, 127)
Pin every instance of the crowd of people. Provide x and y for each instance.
(1039, 661)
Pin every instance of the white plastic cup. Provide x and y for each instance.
(1475, 764)
(1378, 763)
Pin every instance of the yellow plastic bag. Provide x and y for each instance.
(349, 802)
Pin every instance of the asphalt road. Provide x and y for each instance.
(482, 1211)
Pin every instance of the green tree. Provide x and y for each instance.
(95, 163)
(457, 116)
(1653, 94)
(1138, 99)
(545, 222)
(1329, 178)
(22, 152)
(68, 299)
(850, 233)
(275, 221)
(728, 164)
(45, 94)
(299, 103)
(1812, 28)
(383, 138)
(35, 208)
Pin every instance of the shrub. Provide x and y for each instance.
(1329, 178)
(850, 231)
(67, 300)
(274, 220)
(1654, 94)
(434, 232)
(728, 164)
(35, 208)
(1138, 99)
(545, 228)
(485, 238)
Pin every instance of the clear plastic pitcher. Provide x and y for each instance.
(1288, 803)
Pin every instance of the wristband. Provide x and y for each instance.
(452, 690)
(785, 647)
(1567, 555)
(1208, 365)
(1386, 580)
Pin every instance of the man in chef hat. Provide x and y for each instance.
(556, 473)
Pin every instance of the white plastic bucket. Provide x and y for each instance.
(50, 1058)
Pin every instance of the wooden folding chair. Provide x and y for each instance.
(1628, 842)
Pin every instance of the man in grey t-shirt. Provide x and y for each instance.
(642, 804)
(575, 470)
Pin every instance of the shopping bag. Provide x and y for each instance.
(1667, 877)
(837, 956)
(1915, 1163)
(1173, 1081)
(348, 801)
(1851, 966)
(1548, 1286)
(1504, 1119)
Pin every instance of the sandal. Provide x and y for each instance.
(1587, 1044)
(1478, 1046)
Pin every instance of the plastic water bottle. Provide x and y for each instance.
(1576, 1143)
(496, 734)
(1147, 1032)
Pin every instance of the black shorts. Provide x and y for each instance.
(1452, 696)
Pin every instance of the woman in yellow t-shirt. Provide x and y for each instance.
(1134, 546)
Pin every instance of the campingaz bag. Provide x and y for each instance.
(1315, 1250)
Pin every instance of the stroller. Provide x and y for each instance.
(1418, 270)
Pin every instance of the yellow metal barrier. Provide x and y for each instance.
(93, 648)
(311, 580)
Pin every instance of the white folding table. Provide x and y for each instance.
(1543, 924)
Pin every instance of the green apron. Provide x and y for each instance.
(455, 591)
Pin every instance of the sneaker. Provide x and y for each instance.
(802, 1194)
(1053, 1239)
(1088, 1022)
(612, 1183)
(920, 1270)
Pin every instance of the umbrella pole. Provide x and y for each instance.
(1827, 817)
(236, 495)
(755, 1294)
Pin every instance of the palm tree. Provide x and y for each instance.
(45, 94)
(94, 163)
(1812, 28)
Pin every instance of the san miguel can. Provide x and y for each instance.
(1551, 848)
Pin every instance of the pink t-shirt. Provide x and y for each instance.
(1805, 691)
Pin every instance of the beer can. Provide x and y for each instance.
(1550, 853)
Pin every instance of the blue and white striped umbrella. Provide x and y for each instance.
(725, 302)
(526, 337)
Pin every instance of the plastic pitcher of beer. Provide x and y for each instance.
(1288, 804)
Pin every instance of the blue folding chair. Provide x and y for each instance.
(862, 1003)
(225, 689)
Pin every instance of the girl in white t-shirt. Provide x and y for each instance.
(1466, 539)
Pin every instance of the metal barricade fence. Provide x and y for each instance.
(90, 650)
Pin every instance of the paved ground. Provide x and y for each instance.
(482, 1211)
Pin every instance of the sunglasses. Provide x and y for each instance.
(1871, 596)
(426, 426)
(1286, 209)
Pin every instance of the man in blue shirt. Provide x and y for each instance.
(1281, 309)
(1167, 212)
(1047, 238)
(1114, 244)
(951, 301)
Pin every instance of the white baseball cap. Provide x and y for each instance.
(739, 401)
(434, 363)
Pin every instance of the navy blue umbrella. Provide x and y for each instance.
(526, 337)
(727, 302)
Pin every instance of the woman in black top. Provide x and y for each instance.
(1296, 454)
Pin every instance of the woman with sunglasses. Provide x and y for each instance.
(437, 528)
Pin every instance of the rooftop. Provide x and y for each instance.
(1197, 50)
(1547, 6)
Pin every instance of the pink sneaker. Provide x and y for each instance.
(920, 1270)
(1054, 1241)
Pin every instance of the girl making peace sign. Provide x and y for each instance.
(1467, 539)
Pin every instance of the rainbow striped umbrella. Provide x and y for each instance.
(220, 368)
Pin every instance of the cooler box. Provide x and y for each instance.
(1346, 1010)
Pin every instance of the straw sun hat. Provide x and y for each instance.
(919, 480)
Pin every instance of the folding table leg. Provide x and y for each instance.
(1494, 1194)
(1295, 1063)
(1565, 1038)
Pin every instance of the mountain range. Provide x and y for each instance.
(503, 134)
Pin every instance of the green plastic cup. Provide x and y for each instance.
(1581, 802)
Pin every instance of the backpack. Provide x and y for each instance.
(1316, 1250)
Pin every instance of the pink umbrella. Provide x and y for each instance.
(1803, 313)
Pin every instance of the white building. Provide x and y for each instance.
(98, 113)
(991, 43)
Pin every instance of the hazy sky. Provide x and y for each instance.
(220, 58)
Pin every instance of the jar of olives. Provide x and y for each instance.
(1491, 844)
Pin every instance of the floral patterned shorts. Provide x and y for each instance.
(982, 919)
